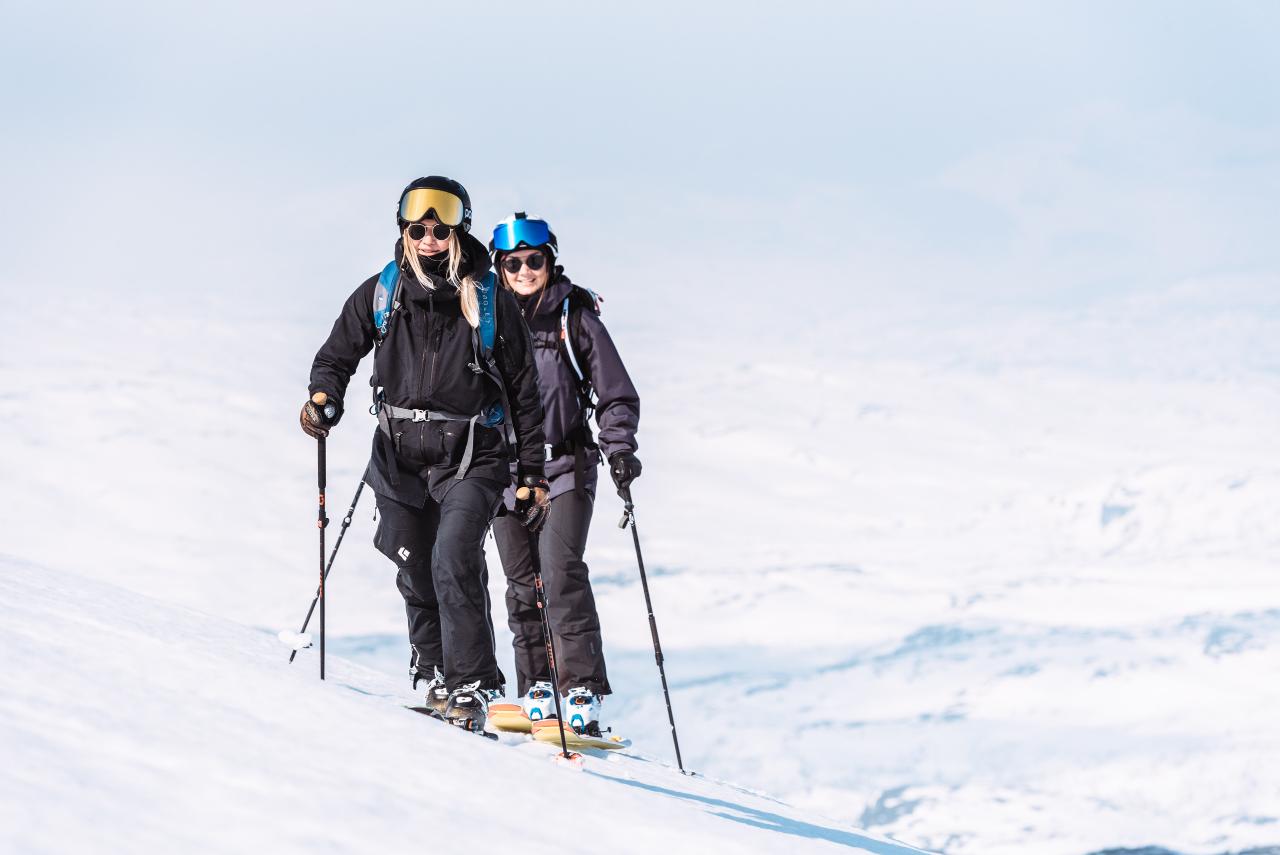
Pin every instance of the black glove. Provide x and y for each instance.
(625, 468)
(533, 502)
(319, 414)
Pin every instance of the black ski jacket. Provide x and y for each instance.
(423, 364)
(618, 410)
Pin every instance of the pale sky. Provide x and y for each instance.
(1039, 153)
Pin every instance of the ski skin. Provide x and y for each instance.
(431, 713)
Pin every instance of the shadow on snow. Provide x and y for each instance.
(771, 821)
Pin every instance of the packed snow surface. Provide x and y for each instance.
(988, 583)
(130, 725)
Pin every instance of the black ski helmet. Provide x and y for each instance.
(438, 182)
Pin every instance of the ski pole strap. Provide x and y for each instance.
(386, 413)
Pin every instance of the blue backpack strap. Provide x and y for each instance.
(486, 298)
(385, 295)
(386, 299)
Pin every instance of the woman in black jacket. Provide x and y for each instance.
(447, 402)
(579, 371)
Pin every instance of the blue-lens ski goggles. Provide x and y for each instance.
(509, 234)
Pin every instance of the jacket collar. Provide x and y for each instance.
(551, 297)
(475, 263)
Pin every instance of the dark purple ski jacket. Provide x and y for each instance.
(618, 410)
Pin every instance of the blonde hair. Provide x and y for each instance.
(466, 285)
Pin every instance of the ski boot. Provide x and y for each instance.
(437, 692)
(582, 711)
(539, 702)
(468, 707)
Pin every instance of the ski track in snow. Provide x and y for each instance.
(1002, 594)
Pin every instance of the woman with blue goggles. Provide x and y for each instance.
(579, 372)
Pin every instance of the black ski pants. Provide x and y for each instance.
(571, 605)
(439, 550)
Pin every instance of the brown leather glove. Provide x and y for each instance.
(318, 415)
(533, 502)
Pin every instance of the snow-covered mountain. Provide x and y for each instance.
(957, 328)
(986, 584)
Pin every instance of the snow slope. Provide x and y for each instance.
(957, 328)
(1010, 577)
(129, 725)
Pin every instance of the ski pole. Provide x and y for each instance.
(522, 494)
(629, 518)
(321, 522)
(332, 555)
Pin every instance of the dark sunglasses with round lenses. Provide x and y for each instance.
(417, 231)
(536, 262)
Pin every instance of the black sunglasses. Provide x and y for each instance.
(439, 231)
(536, 262)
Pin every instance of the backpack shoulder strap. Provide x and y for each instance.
(579, 300)
(486, 298)
(483, 340)
(566, 338)
(386, 298)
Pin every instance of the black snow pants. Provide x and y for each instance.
(439, 550)
(571, 605)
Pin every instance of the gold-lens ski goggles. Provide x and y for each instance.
(416, 203)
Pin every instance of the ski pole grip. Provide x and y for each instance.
(328, 410)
